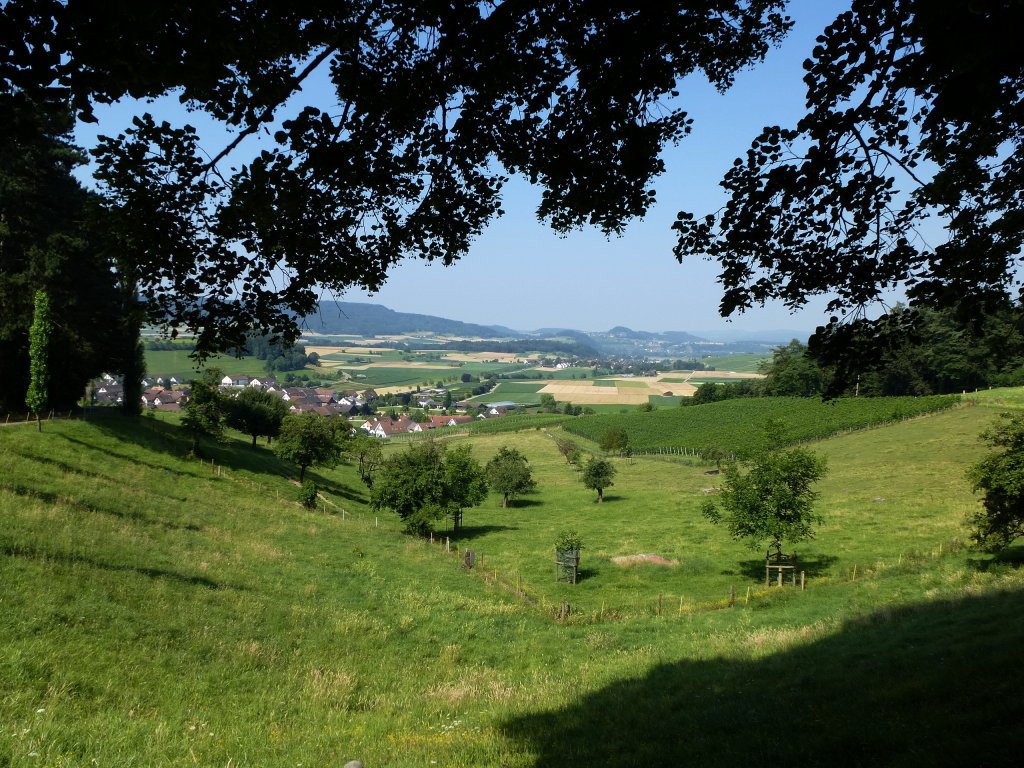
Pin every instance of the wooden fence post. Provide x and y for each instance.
(803, 584)
(732, 595)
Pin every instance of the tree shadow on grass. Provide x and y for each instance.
(937, 684)
(469, 532)
(1010, 557)
(161, 437)
(813, 567)
(609, 498)
(72, 470)
(51, 498)
(34, 553)
(524, 503)
(333, 488)
(127, 457)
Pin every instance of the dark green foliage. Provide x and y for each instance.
(1000, 478)
(598, 475)
(424, 484)
(277, 356)
(568, 541)
(933, 351)
(509, 474)
(256, 413)
(791, 372)
(615, 439)
(308, 494)
(38, 395)
(205, 411)
(49, 240)
(309, 440)
(366, 451)
(772, 502)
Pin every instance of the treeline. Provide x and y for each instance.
(279, 357)
(53, 238)
(935, 353)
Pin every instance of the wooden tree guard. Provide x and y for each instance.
(567, 565)
(781, 565)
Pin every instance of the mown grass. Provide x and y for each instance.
(158, 611)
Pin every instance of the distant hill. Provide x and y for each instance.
(361, 319)
(364, 319)
(677, 337)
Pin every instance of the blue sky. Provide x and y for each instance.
(520, 274)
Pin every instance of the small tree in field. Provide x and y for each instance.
(509, 474)
(425, 483)
(256, 413)
(1000, 478)
(38, 395)
(772, 502)
(598, 475)
(204, 412)
(308, 440)
(615, 440)
(366, 451)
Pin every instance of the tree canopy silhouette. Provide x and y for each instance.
(913, 113)
(431, 105)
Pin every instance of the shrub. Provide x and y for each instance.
(307, 494)
(568, 541)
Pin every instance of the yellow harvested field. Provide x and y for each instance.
(558, 388)
(584, 392)
(719, 375)
(392, 390)
(681, 390)
(481, 357)
(614, 397)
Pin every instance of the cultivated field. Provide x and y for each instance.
(736, 426)
(632, 391)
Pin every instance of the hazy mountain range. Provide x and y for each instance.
(364, 319)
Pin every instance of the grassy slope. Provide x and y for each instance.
(155, 612)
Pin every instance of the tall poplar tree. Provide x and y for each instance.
(38, 395)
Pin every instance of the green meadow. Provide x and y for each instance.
(164, 611)
(178, 364)
(743, 362)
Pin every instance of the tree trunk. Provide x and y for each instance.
(504, 502)
(39, 423)
(254, 440)
(302, 472)
(600, 495)
(134, 363)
